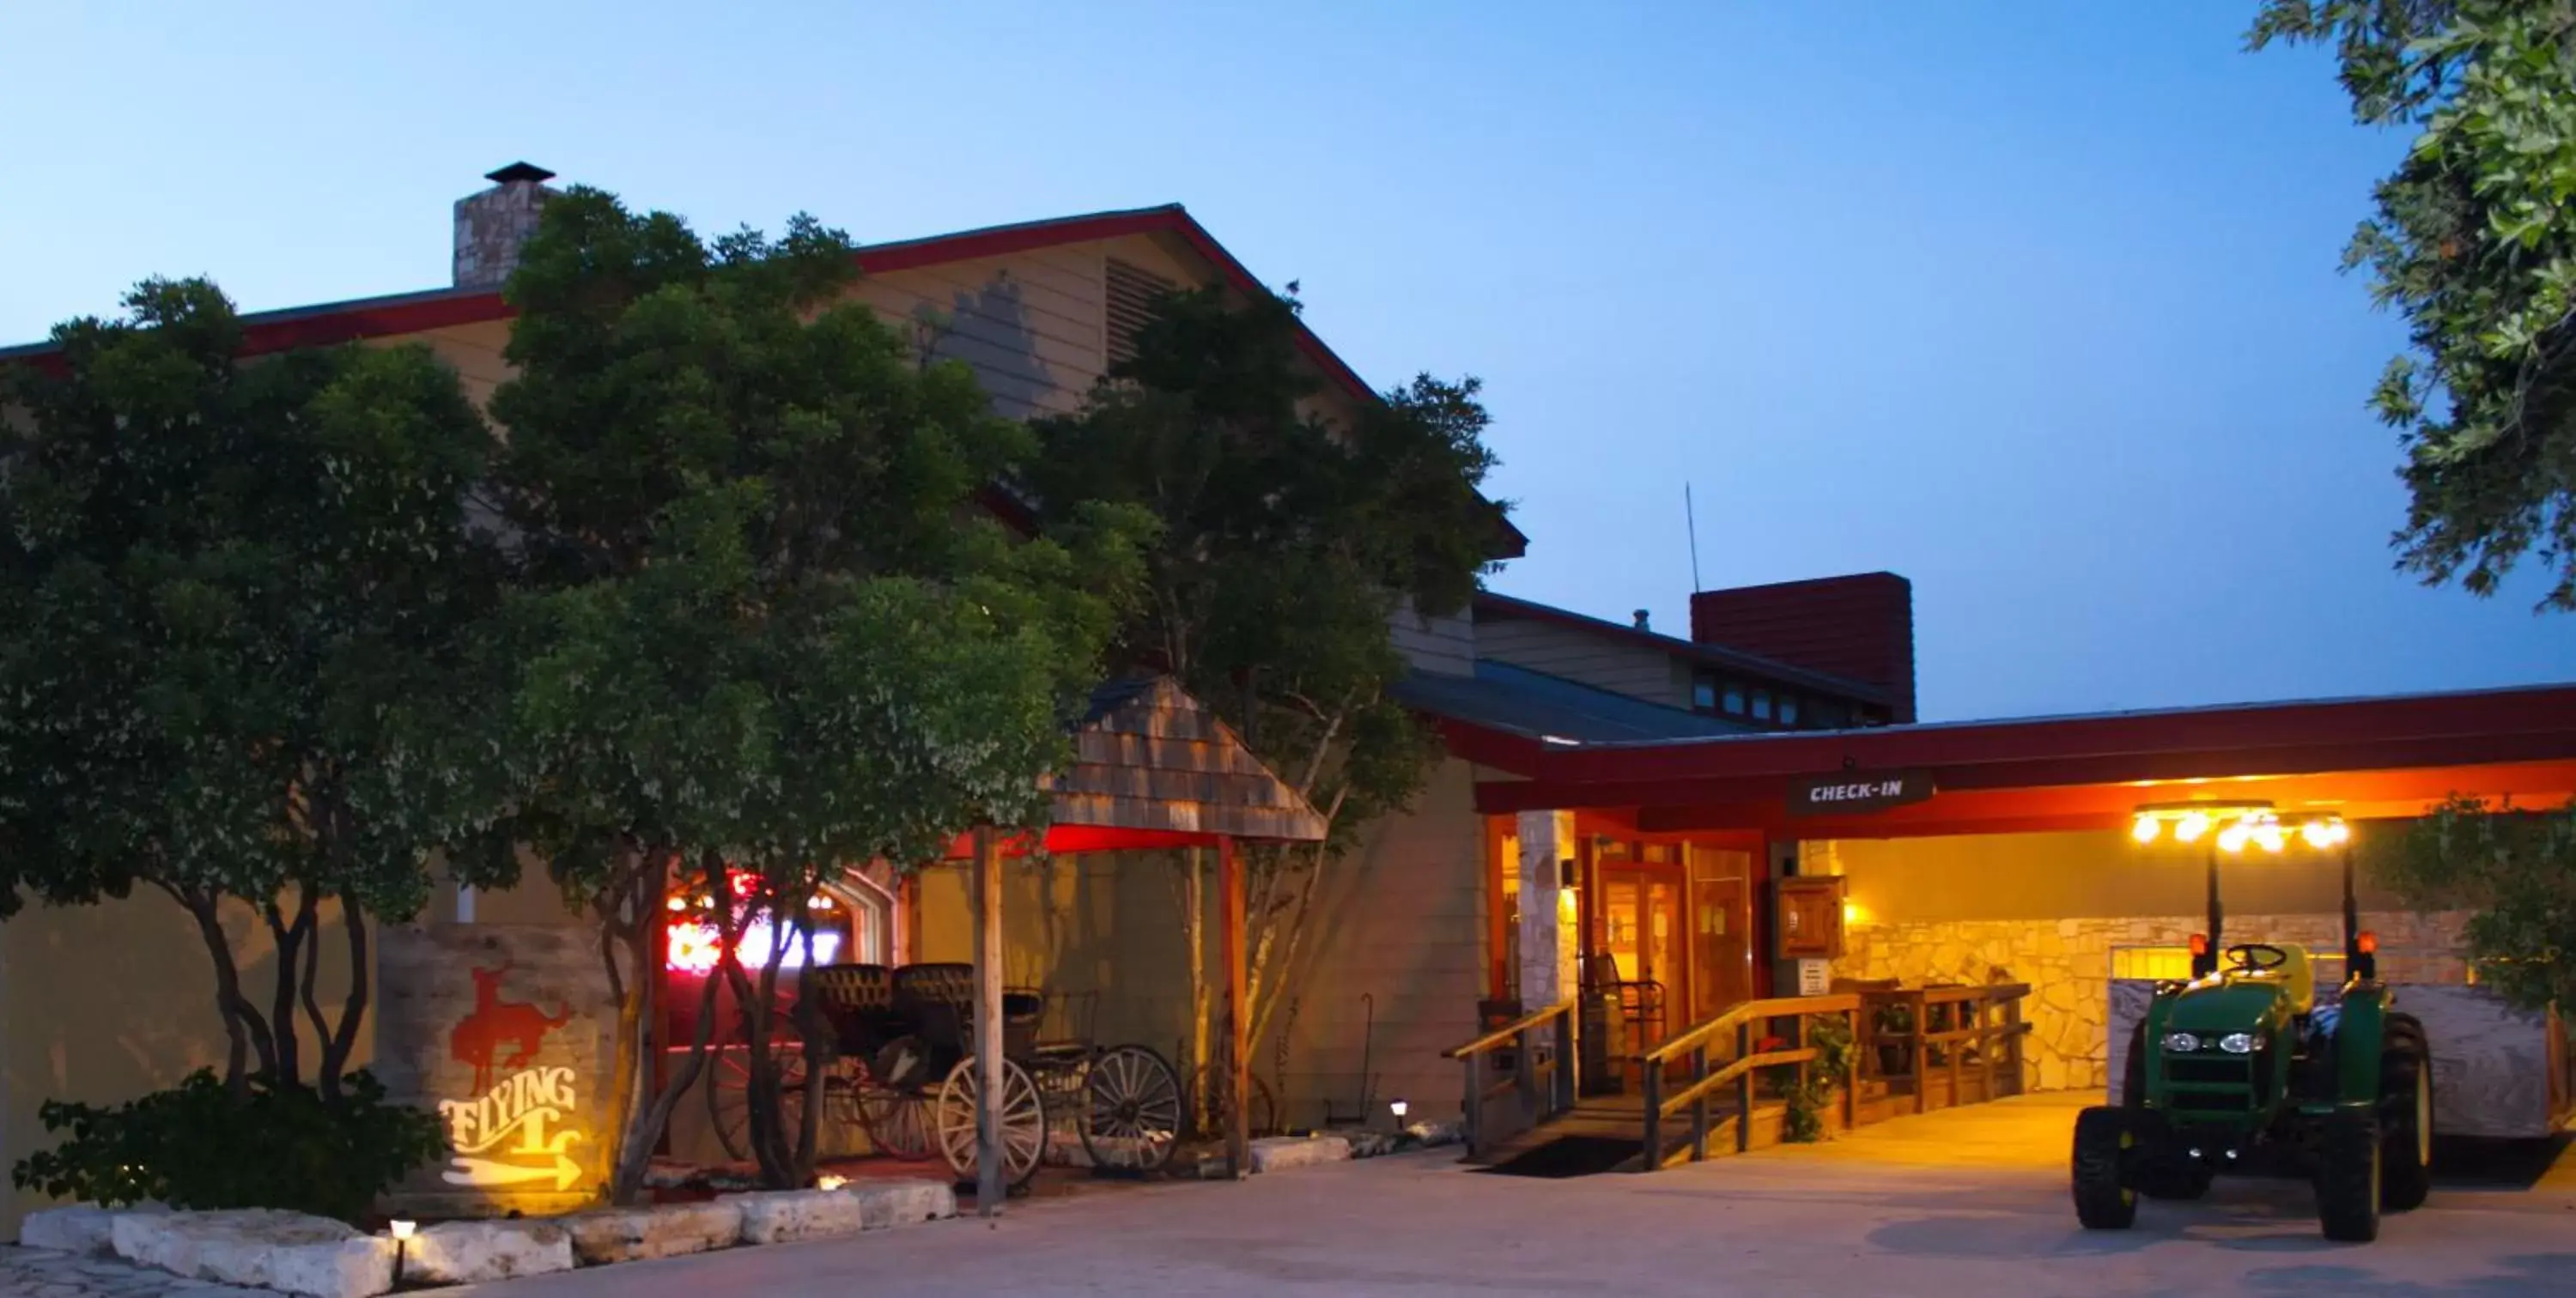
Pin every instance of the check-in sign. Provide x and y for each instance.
(1855, 793)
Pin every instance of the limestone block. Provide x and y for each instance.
(786, 1216)
(1434, 1134)
(479, 1252)
(83, 1228)
(1279, 1153)
(641, 1234)
(907, 1202)
(259, 1248)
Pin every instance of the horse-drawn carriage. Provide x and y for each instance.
(899, 1066)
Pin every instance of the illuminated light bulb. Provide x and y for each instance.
(2191, 827)
(2233, 838)
(2145, 828)
(677, 904)
(403, 1229)
(1399, 1108)
(2270, 837)
(830, 1182)
(2319, 834)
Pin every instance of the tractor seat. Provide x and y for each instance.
(2298, 976)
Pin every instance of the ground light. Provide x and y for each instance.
(402, 1231)
(1399, 1108)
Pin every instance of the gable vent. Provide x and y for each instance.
(1132, 291)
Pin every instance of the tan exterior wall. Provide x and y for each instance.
(1398, 919)
(1595, 660)
(104, 1003)
(2050, 910)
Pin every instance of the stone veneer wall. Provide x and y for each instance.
(2067, 963)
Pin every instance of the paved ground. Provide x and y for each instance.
(1967, 1202)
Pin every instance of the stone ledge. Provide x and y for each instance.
(478, 1252)
(259, 1248)
(82, 1228)
(787, 1216)
(612, 1235)
(1280, 1153)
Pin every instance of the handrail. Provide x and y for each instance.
(1778, 1007)
(1690, 1095)
(1505, 1035)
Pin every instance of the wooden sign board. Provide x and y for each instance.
(1849, 793)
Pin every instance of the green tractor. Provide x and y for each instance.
(2239, 1067)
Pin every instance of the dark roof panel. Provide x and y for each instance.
(1535, 705)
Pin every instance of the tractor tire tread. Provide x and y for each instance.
(2103, 1199)
(2348, 1177)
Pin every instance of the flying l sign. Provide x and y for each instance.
(1854, 793)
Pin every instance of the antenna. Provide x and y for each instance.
(1690, 516)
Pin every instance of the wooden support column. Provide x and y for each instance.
(989, 1178)
(1238, 1049)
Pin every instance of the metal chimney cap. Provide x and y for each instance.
(517, 171)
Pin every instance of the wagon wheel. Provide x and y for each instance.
(729, 1092)
(1024, 1129)
(1209, 1105)
(1132, 1111)
(897, 1122)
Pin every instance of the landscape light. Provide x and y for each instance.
(828, 1181)
(404, 1229)
(1398, 1108)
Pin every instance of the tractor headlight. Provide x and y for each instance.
(2239, 1043)
(2181, 1043)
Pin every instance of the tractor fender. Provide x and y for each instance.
(2361, 1032)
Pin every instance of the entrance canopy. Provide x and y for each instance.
(1154, 768)
(2367, 757)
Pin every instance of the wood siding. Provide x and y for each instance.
(1598, 661)
(1445, 645)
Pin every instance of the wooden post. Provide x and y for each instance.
(1475, 1099)
(1650, 1158)
(1699, 1107)
(989, 1177)
(1560, 1077)
(1744, 1088)
(1920, 1050)
(1987, 1041)
(1851, 1072)
(1238, 1048)
(2012, 1037)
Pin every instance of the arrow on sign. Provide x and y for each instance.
(485, 1172)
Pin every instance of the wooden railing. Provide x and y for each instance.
(1744, 1026)
(1985, 1019)
(1545, 1085)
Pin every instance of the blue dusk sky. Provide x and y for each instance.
(2035, 303)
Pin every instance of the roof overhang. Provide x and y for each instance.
(2369, 757)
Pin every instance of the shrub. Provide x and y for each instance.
(197, 1146)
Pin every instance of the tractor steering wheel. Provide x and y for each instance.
(2256, 957)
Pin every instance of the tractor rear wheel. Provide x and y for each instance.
(2405, 1117)
(2103, 1199)
(2348, 1177)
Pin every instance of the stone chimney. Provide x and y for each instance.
(490, 226)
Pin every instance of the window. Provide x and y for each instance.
(1761, 705)
(1734, 699)
(1788, 709)
(1130, 296)
(1704, 694)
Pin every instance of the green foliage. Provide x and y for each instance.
(234, 600)
(766, 625)
(201, 1146)
(2516, 870)
(1810, 1093)
(2475, 244)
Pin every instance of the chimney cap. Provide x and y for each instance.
(1641, 615)
(517, 171)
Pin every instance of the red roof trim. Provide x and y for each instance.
(2442, 729)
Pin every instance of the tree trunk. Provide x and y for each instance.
(341, 1040)
(637, 1159)
(1194, 933)
(244, 1034)
(290, 937)
(627, 912)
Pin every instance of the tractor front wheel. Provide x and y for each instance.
(2103, 1199)
(2405, 1118)
(2348, 1177)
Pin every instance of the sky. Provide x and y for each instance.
(2034, 303)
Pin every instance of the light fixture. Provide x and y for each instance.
(2268, 834)
(2190, 826)
(1398, 1108)
(2233, 838)
(404, 1229)
(827, 1181)
(2145, 828)
(2238, 1043)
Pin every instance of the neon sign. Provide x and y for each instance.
(696, 947)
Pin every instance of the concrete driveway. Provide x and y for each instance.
(1968, 1202)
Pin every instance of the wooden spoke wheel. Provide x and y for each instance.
(1210, 1105)
(1024, 1128)
(728, 1086)
(1132, 1112)
(897, 1122)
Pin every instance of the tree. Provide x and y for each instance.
(235, 660)
(2516, 870)
(765, 633)
(2474, 242)
(1287, 544)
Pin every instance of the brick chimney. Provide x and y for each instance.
(491, 225)
(1860, 627)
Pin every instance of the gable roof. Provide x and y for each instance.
(1527, 704)
(1150, 758)
(407, 313)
